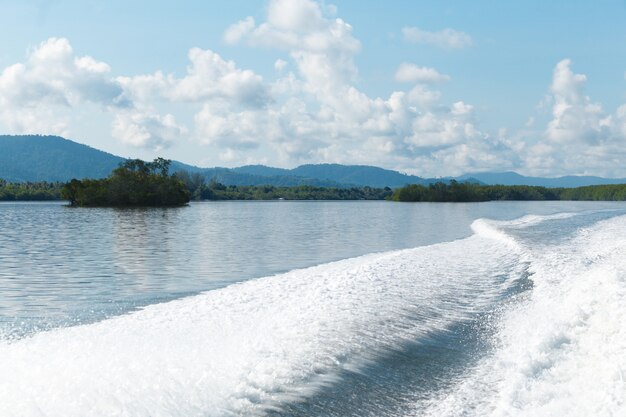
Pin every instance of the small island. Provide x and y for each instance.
(134, 183)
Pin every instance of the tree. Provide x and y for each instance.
(133, 183)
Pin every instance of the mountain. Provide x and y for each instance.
(513, 178)
(51, 158)
(357, 175)
(262, 170)
(235, 176)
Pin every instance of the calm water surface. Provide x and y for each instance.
(63, 266)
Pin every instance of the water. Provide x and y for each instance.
(218, 309)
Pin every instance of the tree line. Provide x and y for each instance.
(471, 192)
(201, 190)
(30, 191)
(139, 183)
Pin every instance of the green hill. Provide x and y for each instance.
(355, 175)
(513, 178)
(33, 158)
(51, 158)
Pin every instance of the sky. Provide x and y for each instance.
(431, 88)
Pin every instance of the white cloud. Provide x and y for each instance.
(36, 120)
(49, 91)
(236, 31)
(443, 127)
(225, 94)
(37, 96)
(218, 124)
(314, 111)
(411, 73)
(322, 47)
(575, 117)
(295, 15)
(52, 72)
(319, 115)
(146, 129)
(280, 65)
(581, 138)
(447, 38)
(461, 109)
(421, 97)
(208, 77)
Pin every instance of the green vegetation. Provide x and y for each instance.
(468, 192)
(216, 191)
(51, 158)
(137, 183)
(30, 191)
(200, 190)
(133, 183)
(609, 192)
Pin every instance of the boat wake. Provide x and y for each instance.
(251, 348)
(563, 350)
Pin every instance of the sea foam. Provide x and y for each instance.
(247, 348)
(563, 350)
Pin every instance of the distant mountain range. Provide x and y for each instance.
(358, 175)
(513, 178)
(52, 158)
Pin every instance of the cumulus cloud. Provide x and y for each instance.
(318, 114)
(446, 38)
(208, 77)
(235, 32)
(413, 130)
(47, 92)
(146, 129)
(36, 120)
(411, 73)
(223, 92)
(581, 137)
(322, 47)
(232, 129)
(279, 65)
(313, 110)
(35, 96)
(575, 117)
(313, 113)
(295, 15)
(53, 74)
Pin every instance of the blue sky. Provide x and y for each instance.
(431, 88)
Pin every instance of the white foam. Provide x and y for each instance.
(563, 351)
(531, 220)
(489, 229)
(241, 349)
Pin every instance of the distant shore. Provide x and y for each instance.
(438, 192)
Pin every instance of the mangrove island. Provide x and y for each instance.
(134, 183)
